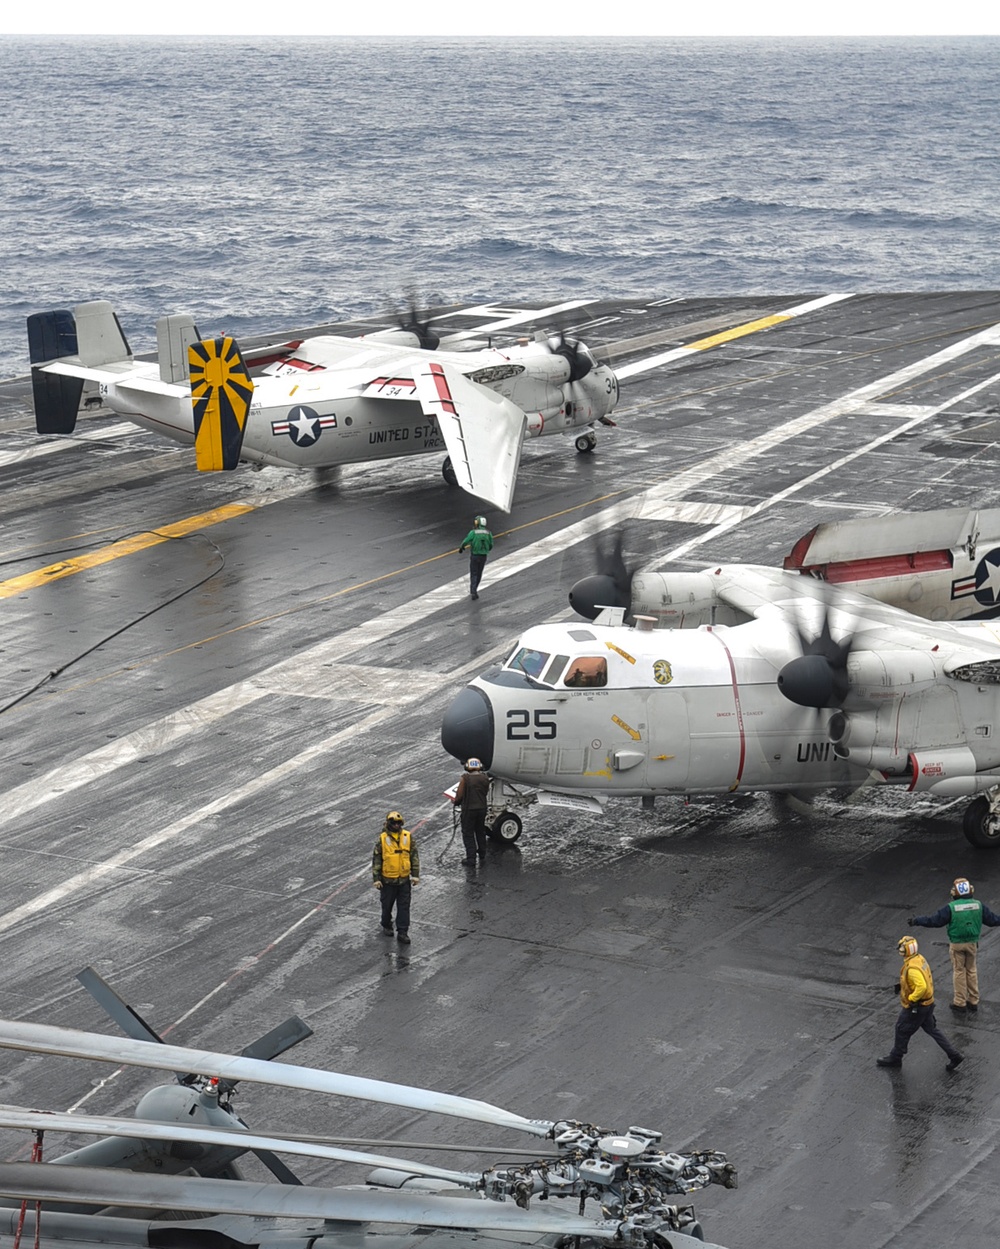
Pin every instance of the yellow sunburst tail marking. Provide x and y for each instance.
(221, 390)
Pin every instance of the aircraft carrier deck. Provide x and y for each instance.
(202, 733)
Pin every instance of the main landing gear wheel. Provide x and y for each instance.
(448, 473)
(981, 824)
(586, 443)
(506, 828)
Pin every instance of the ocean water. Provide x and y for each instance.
(264, 183)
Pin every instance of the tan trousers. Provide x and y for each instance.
(964, 974)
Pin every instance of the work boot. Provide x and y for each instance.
(387, 931)
(468, 862)
(474, 595)
(959, 1058)
(959, 1010)
(402, 938)
(972, 1007)
(888, 1061)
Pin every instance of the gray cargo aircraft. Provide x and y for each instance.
(325, 400)
(761, 679)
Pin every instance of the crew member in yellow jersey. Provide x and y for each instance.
(916, 996)
(395, 868)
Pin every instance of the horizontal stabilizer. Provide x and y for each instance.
(221, 390)
(482, 430)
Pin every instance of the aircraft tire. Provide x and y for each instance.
(448, 473)
(506, 828)
(586, 443)
(979, 827)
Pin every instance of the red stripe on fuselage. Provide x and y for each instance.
(738, 706)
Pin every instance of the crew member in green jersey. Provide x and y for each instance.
(479, 540)
(965, 916)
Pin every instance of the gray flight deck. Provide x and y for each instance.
(191, 802)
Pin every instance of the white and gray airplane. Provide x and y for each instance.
(760, 678)
(326, 400)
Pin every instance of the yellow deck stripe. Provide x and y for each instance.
(127, 546)
(727, 336)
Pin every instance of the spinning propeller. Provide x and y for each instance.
(818, 677)
(418, 323)
(577, 356)
(610, 586)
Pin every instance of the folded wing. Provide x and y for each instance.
(482, 430)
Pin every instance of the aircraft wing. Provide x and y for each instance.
(482, 430)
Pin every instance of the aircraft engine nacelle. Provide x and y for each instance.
(875, 675)
(681, 600)
(676, 600)
(869, 740)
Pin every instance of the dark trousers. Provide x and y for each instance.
(910, 1022)
(476, 565)
(474, 832)
(396, 893)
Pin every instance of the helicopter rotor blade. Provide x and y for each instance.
(71, 1043)
(129, 1020)
(29, 1181)
(256, 1142)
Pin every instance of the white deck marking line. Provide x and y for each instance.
(649, 503)
(277, 775)
(730, 522)
(67, 440)
(725, 336)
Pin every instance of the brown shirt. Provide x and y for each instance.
(473, 791)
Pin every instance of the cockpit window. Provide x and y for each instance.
(555, 669)
(587, 671)
(529, 661)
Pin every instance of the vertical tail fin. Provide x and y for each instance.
(52, 336)
(174, 335)
(221, 390)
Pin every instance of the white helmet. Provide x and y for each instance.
(473, 765)
(962, 888)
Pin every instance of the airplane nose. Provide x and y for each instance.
(467, 727)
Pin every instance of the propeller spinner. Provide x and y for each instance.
(818, 677)
(610, 586)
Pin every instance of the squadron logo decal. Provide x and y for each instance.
(984, 583)
(303, 425)
(663, 674)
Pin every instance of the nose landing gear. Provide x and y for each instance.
(981, 823)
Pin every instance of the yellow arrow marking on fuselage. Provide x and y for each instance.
(127, 546)
(635, 735)
(618, 651)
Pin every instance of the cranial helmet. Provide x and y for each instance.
(962, 889)
(394, 820)
(479, 522)
(474, 765)
(907, 946)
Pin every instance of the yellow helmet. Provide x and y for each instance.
(394, 819)
(962, 888)
(907, 946)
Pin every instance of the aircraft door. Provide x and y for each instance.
(669, 739)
